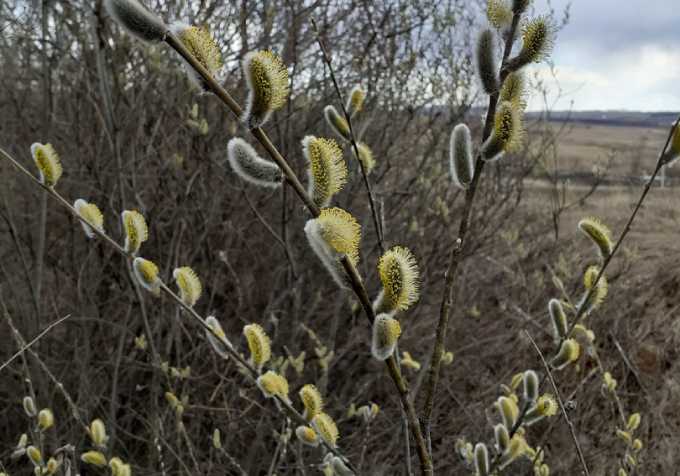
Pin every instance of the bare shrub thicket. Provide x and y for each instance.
(132, 376)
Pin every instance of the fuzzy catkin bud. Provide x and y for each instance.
(95, 458)
(146, 273)
(633, 422)
(400, 278)
(45, 419)
(326, 428)
(598, 232)
(312, 401)
(509, 411)
(327, 170)
(507, 132)
(189, 285)
(569, 353)
(461, 164)
(48, 163)
(29, 406)
(386, 332)
(546, 406)
(136, 230)
(337, 122)
(52, 466)
(481, 459)
(366, 156)
(333, 234)
(558, 319)
(216, 439)
(258, 344)
(34, 455)
(91, 214)
(355, 101)
(217, 338)
(267, 80)
(502, 437)
(136, 19)
(98, 433)
(538, 36)
(486, 61)
(530, 386)
(248, 165)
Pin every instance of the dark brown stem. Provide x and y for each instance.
(456, 254)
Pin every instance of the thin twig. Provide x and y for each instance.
(572, 430)
(35, 339)
(456, 253)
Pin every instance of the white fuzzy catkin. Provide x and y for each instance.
(461, 164)
(136, 19)
(248, 165)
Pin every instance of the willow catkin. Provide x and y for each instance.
(248, 165)
(267, 80)
(136, 19)
(461, 162)
(486, 60)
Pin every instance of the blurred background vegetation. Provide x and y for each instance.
(133, 133)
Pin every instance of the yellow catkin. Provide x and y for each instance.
(355, 101)
(202, 46)
(95, 458)
(91, 214)
(258, 344)
(326, 428)
(569, 353)
(341, 231)
(327, 170)
(267, 80)
(146, 273)
(312, 401)
(98, 433)
(386, 332)
(48, 163)
(307, 435)
(45, 419)
(366, 156)
(337, 122)
(598, 232)
(498, 13)
(189, 285)
(273, 385)
(136, 230)
(400, 278)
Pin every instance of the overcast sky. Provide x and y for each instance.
(617, 54)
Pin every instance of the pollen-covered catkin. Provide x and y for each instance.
(189, 285)
(333, 234)
(366, 156)
(48, 162)
(307, 436)
(514, 90)
(498, 13)
(248, 165)
(136, 230)
(337, 122)
(486, 60)
(327, 170)
(326, 428)
(258, 344)
(146, 273)
(136, 19)
(92, 216)
(273, 384)
(598, 232)
(312, 401)
(267, 80)
(203, 47)
(538, 36)
(400, 278)
(461, 164)
(569, 352)
(386, 332)
(507, 132)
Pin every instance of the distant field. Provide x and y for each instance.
(632, 150)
